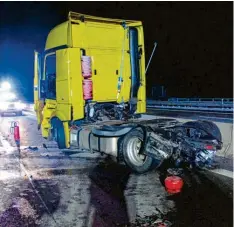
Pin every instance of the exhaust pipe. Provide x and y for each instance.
(135, 70)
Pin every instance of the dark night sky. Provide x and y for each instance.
(194, 56)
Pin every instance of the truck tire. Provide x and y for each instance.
(58, 133)
(207, 126)
(129, 149)
(213, 129)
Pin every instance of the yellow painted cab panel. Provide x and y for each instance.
(62, 77)
(126, 76)
(104, 36)
(105, 70)
(69, 91)
(59, 36)
(63, 97)
(37, 102)
(49, 110)
(77, 100)
(108, 46)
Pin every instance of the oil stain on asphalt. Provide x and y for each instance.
(27, 209)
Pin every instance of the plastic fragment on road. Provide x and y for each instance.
(44, 155)
(32, 148)
(162, 223)
(175, 171)
(45, 146)
(156, 220)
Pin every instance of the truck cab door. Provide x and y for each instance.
(38, 89)
(69, 90)
(63, 89)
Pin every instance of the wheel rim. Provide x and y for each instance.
(133, 149)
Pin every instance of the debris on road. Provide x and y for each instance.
(164, 223)
(175, 171)
(153, 221)
(44, 145)
(31, 148)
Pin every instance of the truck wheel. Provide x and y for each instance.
(213, 129)
(129, 149)
(207, 126)
(58, 133)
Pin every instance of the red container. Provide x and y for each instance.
(16, 133)
(173, 184)
(86, 66)
(87, 89)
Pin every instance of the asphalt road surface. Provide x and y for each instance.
(50, 187)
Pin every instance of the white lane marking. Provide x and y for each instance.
(223, 172)
(9, 149)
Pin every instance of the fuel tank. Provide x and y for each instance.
(83, 138)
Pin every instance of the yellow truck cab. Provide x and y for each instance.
(89, 86)
(117, 64)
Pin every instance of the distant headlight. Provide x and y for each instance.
(23, 105)
(3, 106)
(19, 105)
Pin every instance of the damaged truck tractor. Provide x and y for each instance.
(90, 92)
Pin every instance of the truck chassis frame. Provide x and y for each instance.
(146, 144)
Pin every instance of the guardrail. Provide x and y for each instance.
(212, 104)
(201, 99)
